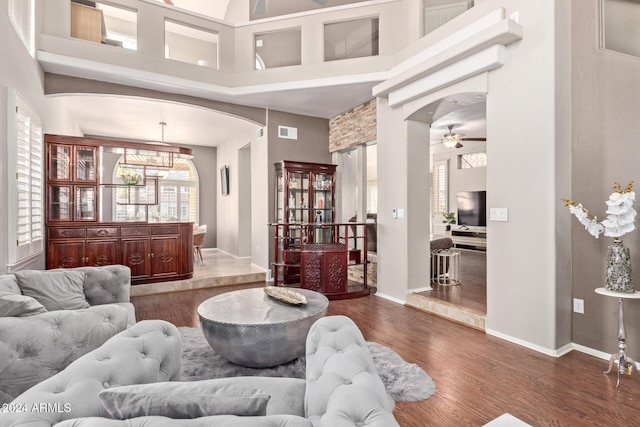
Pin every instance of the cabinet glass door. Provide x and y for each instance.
(279, 196)
(298, 197)
(86, 164)
(60, 203)
(322, 196)
(60, 162)
(85, 203)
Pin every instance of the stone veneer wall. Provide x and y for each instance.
(354, 127)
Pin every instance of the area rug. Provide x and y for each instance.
(404, 382)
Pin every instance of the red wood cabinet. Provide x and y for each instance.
(154, 252)
(75, 235)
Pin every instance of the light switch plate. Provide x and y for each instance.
(499, 214)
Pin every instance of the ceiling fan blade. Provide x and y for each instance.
(473, 139)
(458, 145)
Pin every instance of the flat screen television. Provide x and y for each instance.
(472, 208)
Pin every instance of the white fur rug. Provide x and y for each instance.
(405, 382)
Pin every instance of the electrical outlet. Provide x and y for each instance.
(578, 305)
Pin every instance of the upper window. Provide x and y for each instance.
(102, 23)
(472, 160)
(22, 17)
(351, 39)
(189, 44)
(621, 31)
(29, 171)
(278, 49)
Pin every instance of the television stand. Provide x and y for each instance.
(469, 238)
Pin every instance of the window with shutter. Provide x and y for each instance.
(440, 195)
(29, 188)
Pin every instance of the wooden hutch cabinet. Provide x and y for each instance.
(311, 250)
(304, 193)
(77, 237)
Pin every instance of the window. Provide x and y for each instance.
(472, 160)
(178, 198)
(351, 39)
(22, 17)
(102, 23)
(192, 45)
(278, 49)
(439, 190)
(27, 159)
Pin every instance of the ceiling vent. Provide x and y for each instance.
(287, 132)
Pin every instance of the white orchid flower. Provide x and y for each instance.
(595, 228)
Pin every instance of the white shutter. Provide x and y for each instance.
(439, 189)
(29, 181)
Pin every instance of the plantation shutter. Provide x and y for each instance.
(439, 189)
(29, 181)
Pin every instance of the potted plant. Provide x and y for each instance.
(449, 218)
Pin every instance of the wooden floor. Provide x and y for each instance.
(472, 291)
(478, 377)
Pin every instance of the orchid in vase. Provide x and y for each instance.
(620, 214)
(620, 221)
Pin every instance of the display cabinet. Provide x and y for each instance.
(72, 185)
(304, 194)
(77, 235)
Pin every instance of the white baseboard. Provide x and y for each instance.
(532, 346)
(558, 352)
(418, 290)
(596, 353)
(390, 298)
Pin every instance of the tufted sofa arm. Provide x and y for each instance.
(37, 347)
(149, 351)
(343, 387)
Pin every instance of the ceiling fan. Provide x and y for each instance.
(452, 140)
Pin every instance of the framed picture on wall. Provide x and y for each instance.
(224, 180)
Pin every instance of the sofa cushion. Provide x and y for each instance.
(212, 421)
(9, 284)
(19, 305)
(184, 400)
(55, 289)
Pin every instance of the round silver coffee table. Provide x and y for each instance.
(249, 328)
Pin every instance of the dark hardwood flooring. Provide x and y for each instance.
(478, 377)
(472, 291)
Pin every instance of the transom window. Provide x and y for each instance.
(472, 160)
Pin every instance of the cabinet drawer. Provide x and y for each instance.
(134, 231)
(164, 229)
(102, 232)
(66, 233)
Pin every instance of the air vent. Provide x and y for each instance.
(287, 132)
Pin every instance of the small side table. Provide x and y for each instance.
(445, 267)
(626, 365)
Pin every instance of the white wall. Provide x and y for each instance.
(522, 129)
(228, 206)
(20, 72)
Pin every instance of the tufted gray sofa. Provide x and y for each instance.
(35, 347)
(342, 387)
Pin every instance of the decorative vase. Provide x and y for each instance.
(619, 278)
